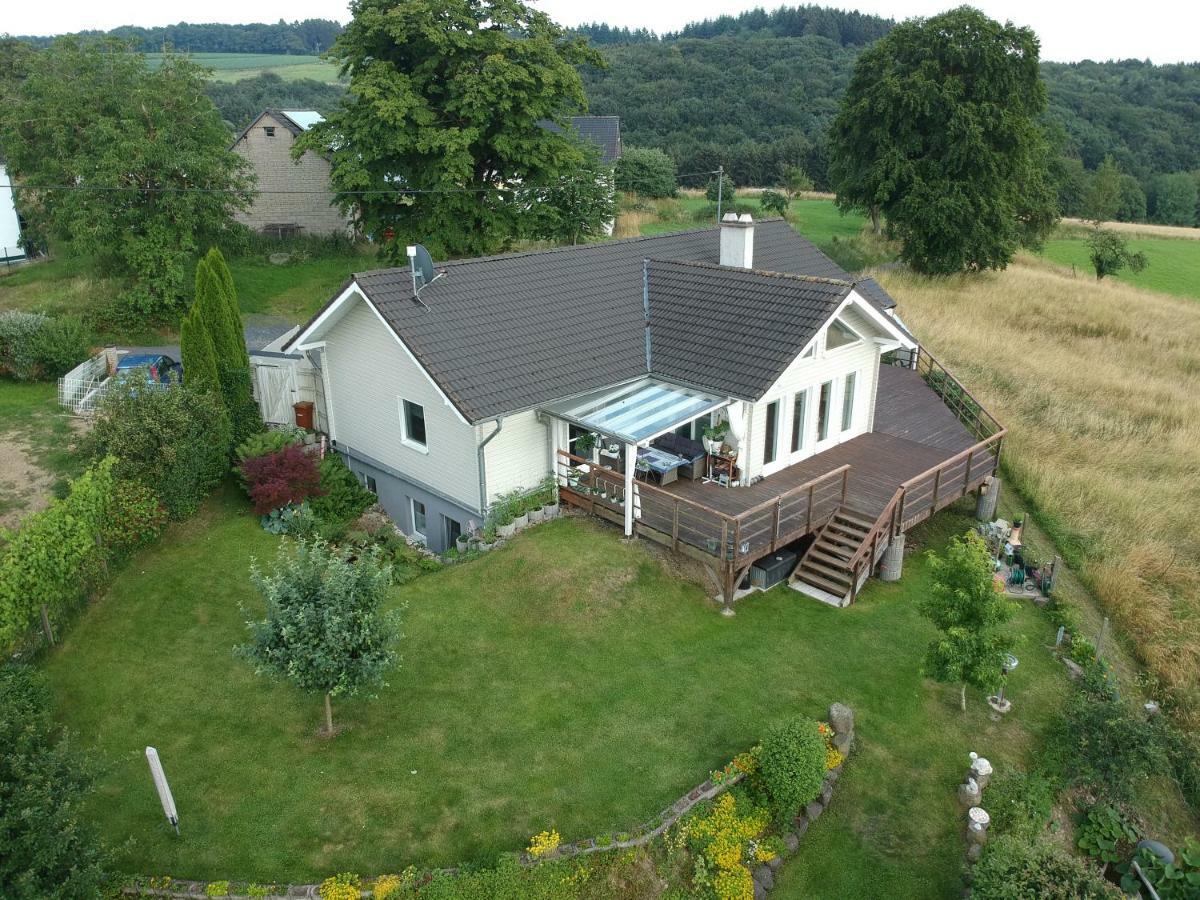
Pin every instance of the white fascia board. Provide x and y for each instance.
(310, 336)
(885, 323)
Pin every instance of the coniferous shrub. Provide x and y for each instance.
(344, 498)
(792, 762)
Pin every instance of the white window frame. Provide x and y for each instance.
(405, 439)
(834, 351)
(848, 426)
(805, 442)
(417, 534)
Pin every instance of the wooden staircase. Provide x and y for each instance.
(823, 572)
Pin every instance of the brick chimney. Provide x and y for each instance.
(737, 241)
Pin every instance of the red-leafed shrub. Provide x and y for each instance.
(277, 479)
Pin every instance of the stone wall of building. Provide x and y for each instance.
(290, 192)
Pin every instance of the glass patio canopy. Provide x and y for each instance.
(636, 411)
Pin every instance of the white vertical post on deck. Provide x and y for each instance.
(630, 467)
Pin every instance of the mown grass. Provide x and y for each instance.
(1173, 263)
(236, 66)
(566, 680)
(1099, 386)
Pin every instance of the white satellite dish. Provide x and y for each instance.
(420, 264)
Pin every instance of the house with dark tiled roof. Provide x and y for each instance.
(730, 392)
(602, 131)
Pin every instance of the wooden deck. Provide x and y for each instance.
(914, 432)
(931, 444)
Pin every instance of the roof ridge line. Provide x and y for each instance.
(790, 276)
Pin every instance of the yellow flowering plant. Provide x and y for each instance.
(345, 886)
(725, 838)
(543, 844)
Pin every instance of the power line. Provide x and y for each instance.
(127, 189)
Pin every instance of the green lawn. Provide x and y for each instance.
(236, 66)
(65, 285)
(1174, 263)
(563, 681)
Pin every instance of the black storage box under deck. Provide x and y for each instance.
(770, 570)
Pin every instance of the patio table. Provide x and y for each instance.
(663, 464)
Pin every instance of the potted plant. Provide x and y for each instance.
(520, 512)
(537, 507)
(550, 508)
(573, 477)
(487, 538)
(585, 444)
(714, 436)
(460, 543)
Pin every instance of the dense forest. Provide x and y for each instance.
(240, 101)
(755, 92)
(311, 36)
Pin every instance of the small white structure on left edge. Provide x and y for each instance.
(10, 224)
(164, 789)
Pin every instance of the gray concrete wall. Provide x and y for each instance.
(271, 160)
(396, 493)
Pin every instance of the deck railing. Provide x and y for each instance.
(735, 539)
(969, 411)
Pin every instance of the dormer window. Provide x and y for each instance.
(840, 335)
(270, 130)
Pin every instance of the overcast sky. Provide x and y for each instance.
(1161, 30)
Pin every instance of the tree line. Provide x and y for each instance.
(310, 36)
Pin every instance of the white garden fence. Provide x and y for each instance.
(81, 388)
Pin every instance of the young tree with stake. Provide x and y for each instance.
(325, 630)
(967, 607)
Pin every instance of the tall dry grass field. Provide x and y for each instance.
(1099, 385)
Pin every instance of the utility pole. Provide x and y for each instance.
(720, 186)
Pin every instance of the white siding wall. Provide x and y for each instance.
(518, 457)
(368, 373)
(862, 358)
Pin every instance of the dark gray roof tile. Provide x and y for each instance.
(603, 131)
(733, 331)
(510, 332)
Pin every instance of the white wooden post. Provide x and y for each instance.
(630, 467)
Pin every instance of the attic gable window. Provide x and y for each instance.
(270, 130)
(840, 335)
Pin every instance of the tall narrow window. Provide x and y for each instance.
(418, 519)
(823, 410)
(412, 420)
(453, 530)
(769, 449)
(848, 401)
(799, 414)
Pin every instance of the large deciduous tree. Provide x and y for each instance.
(325, 630)
(445, 100)
(939, 131)
(967, 607)
(132, 165)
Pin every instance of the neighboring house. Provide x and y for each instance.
(293, 196)
(840, 436)
(10, 223)
(603, 131)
